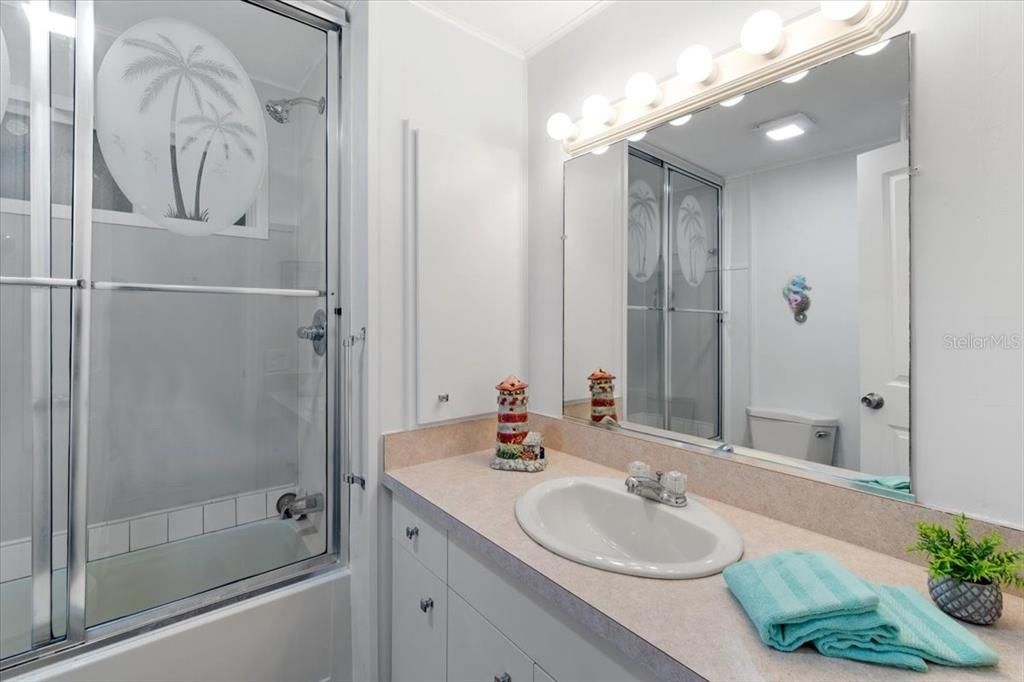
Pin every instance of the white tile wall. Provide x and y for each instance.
(147, 531)
(218, 515)
(250, 508)
(184, 523)
(129, 535)
(108, 539)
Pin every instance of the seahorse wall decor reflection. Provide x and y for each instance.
(795, 293)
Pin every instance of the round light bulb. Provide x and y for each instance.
(696, 65)
(762, 33)
(636, 137)
(600, 150)
(681, 121)
(796, 77)
(872, 49)
(559, 126)
(597, 110)
(642, 89)
(850, 11)
(732, 101)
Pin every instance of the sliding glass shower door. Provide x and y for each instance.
(673, 355)
(170, 307)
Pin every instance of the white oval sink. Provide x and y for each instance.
(596, 522)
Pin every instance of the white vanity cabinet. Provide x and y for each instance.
(456, 618)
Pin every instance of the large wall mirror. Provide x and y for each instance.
(743, 274)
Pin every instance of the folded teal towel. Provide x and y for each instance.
(923, 634)
(901, 483)
(796, 597)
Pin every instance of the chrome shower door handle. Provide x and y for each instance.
(426, 604)
(315, 333)
(504, 677)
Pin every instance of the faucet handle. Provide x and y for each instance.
(674, 482)
(638, 469)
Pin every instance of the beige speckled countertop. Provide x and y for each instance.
(695, 623)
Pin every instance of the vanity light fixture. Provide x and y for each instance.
(787, 127)
(770, 51)
(850, 11)
(763, 34)
(597, 111)
(560, 126)
(600, 150)
(639, 136)
(872, 49)
(697, 65)
(642, 88)
(681, 121)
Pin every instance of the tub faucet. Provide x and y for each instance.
(668, 488)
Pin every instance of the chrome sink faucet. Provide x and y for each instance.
(668, 488)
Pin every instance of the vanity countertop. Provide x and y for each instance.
(672, 626)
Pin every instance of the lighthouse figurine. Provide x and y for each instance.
(516, 449)
(602, 397)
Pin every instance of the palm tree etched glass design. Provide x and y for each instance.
(212, 126)
(164, 64)
(644, 243)
(693, 240)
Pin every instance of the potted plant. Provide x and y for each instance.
(964, 574)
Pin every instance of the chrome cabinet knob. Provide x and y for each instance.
(872, 401)
(411, 532)
(426, 604)
(442, 397)
(504, 677)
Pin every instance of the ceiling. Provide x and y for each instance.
(856, 102)
(521, 27)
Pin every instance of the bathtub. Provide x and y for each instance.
(127, 583)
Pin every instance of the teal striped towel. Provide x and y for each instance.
(797, 597)
(923, 634)
(901, 483)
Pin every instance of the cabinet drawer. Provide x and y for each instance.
(420, 538)
(477, 652)
(419, 617)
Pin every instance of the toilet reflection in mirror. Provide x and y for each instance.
(678, 248)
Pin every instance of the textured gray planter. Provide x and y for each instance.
(970, 602)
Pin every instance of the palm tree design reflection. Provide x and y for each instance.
(213, 126)
(165, 64)
(642, 225)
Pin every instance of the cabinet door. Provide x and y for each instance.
(418, 619)
(477, 652)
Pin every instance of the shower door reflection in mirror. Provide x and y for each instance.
(745, 275)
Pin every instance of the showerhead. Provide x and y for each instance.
(280, 109)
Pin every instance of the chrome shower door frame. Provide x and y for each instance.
(333, 20)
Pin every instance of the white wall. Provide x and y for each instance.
(594, 270)
(802, 219)
(298, 633)
(967, 213)
(425, 70)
